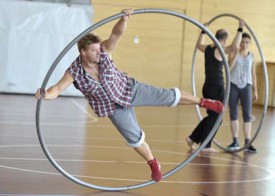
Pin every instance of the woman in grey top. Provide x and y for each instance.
(243, 88)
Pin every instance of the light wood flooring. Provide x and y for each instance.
(91, 149)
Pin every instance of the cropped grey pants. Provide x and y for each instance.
(125, 119)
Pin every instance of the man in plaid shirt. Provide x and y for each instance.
(112, 93)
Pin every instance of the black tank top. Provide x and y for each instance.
(213, 67)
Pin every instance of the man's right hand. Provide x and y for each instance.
(128, 13)
(38, 94)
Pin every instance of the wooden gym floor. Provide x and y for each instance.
(92, 150)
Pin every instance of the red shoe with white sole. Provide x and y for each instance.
(213, 105)
(156, 170)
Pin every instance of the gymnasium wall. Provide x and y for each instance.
(166, 44)
(32, 35)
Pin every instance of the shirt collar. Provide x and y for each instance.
(78, 63)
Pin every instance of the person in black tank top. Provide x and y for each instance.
(213, 87)
(213, 74)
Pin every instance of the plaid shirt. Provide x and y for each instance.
(113, 88)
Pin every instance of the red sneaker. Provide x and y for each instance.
(156, 170)
(213, 105)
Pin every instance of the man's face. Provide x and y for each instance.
(92, 53)
(223, 42)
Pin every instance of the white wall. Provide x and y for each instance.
(32, 35)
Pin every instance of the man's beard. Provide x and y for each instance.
(93, 61)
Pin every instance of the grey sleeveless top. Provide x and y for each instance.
(241, 74)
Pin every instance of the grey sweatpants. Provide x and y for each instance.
(125, 119)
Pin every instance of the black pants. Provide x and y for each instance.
(200, 133)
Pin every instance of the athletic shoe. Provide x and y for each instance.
(156, 170)
(233, 146)
(250, 149)
(213, 105)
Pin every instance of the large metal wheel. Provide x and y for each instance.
(67, 48)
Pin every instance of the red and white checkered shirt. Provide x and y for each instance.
(102, 96)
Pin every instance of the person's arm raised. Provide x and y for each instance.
(232, 58)
(118, 30)
(237, 40)
(200, 42)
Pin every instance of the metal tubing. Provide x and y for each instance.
(67, 48)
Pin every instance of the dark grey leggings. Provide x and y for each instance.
(245, 97)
